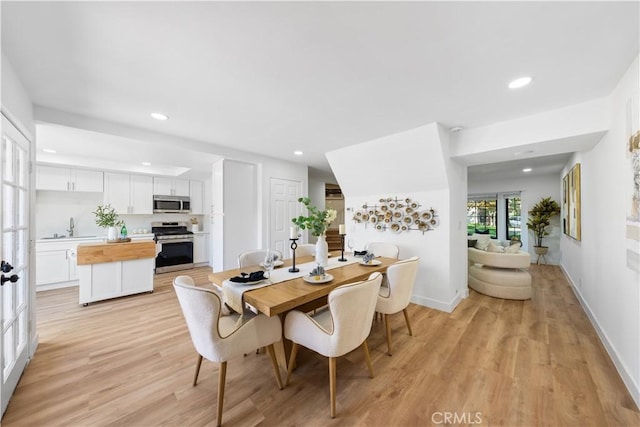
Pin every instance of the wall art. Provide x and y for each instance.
(397, 216)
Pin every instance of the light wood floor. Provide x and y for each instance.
(130, 361)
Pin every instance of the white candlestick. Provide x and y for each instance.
(293, 233)
(342, 229)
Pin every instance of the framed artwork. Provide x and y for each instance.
(571, 202)
(633, 186)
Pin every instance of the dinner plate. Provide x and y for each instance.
(370, 263)
(312, 279)
(276, 264)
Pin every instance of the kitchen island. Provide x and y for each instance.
(111, 270)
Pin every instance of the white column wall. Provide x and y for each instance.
(596, 266)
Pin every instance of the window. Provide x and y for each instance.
(498, 215)
(513, 216)
(482, 216)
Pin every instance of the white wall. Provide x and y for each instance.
(532, 189)
(596, 265)
(441, 282)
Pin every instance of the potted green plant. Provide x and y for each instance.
(107, 217)
(539, 219)
(317, 222)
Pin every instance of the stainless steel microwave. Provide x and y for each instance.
(171, 204)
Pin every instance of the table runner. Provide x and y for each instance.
(232, 292)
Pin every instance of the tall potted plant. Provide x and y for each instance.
(317, 222)
(539, 219)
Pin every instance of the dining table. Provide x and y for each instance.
(278, 299)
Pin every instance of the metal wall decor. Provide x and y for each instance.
(397, 216)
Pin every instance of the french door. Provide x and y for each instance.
(14, 251)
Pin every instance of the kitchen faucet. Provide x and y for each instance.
(71, 227)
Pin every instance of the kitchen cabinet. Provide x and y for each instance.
(196, 194)
(200, 244)
(170, 186)
(56, 265)
(129, 194)
(115, 270)
(68, 179)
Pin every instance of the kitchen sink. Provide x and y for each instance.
(65, 237)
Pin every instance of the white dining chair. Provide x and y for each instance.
(306, 249)
(383, 249)
(254, 257)
(338, 330)
(395, 298)
(220, 338)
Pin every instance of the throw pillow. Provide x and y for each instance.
(514, 248)
(471, 243)
(483, 241)
(495, 248)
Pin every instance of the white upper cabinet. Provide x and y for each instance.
(129, 194)
(196, 195)
(170, 186)
(67, 179)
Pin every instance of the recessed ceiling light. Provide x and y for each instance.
(527, 170)
(159, 116)
(298, 153)
(146, 164)
(522, 81)
(49, 150)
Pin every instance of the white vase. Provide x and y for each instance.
(112, 233)
(322, 251)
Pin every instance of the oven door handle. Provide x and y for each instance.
(162, 242)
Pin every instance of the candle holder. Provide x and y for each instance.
(294, 246)
(342, 258)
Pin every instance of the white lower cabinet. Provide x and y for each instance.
(200, 245)
(56, 263)
(115, 279)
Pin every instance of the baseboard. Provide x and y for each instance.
(57, 285)
(447, 307)
(628, 380)
(34, 345)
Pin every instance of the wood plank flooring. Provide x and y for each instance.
(130, 362)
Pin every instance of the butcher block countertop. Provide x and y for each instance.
(97, 253)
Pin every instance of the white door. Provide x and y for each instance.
(14, 217)
(284, 205)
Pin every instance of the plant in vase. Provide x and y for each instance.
(194, 224)
(107, 217)
(539, 219)
(317, 222)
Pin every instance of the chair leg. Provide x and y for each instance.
(222, 378)
(292, 362)
(332, 385)
(367, 357)
(198, 363)
(274, 362)
(388, 327)
(406, 319)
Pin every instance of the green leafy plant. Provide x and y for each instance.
(317, 221)
(540, 218)
(106, 216)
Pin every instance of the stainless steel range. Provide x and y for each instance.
(174, 246)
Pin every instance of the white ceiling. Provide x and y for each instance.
(272, 78)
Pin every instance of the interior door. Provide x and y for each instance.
(14, 297)
(284, 206)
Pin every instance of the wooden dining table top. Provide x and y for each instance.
(284, 296)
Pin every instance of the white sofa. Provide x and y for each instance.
(500, 275)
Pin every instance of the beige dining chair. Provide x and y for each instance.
(383, 249)
(306, 249)
(338, 330)
(219, 338)
(254, 257)
(395, 298)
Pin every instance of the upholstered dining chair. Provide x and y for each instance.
(219, 338)
(306, 249)
(254, 257)
(338, 330)
(395, 298)
(383, 249)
